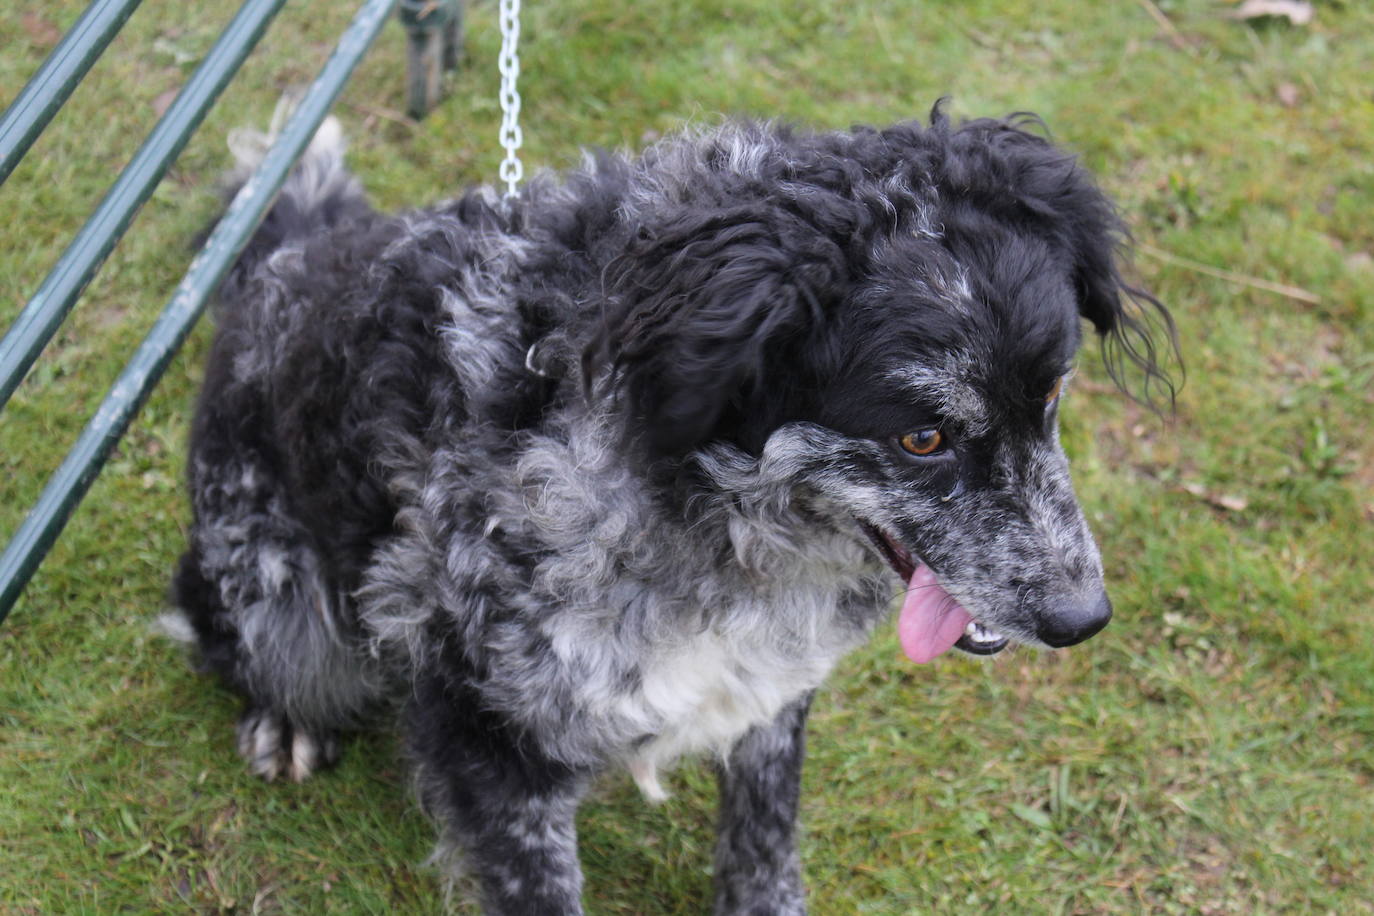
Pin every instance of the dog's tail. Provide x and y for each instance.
(320, 193)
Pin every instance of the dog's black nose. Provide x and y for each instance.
(1071, 623)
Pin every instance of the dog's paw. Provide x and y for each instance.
(274, 747)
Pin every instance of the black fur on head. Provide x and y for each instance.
(1007, 170)
(723, 320)
(707, 306)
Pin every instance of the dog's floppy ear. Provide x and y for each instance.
(1061, 198)
(1135, 328)
(704, 312)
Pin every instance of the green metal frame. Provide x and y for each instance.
(31, 111)
(73, 478)
(47, 309)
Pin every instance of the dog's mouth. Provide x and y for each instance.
(931, 622)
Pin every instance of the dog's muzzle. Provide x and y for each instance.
(931, 621)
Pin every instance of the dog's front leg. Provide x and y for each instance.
(506, 809)
(757, 870)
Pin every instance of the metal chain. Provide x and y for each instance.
(511, 138)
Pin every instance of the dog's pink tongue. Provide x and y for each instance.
(931, 622)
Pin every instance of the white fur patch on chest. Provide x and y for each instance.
(705, 692)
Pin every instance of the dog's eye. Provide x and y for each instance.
(925, 442)
(1054, 391)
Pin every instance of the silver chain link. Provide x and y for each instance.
(511, 138)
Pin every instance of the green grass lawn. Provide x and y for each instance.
(1211, 752)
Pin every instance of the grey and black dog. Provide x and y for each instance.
(618, 471)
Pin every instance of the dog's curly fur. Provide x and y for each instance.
(616, 473)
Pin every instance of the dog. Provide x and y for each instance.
(615, 471)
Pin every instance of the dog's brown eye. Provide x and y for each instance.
(1054, 392)
(925, 442)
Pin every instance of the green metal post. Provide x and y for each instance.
(49, 306)
(34, 107)
(70, 482)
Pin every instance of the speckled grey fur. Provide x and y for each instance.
(595, 481)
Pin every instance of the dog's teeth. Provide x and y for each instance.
(979, 633)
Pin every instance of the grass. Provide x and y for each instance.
(1212, 752)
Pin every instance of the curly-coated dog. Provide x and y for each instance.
(616, 471)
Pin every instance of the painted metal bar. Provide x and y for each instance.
(69, 483)
(45, 312)
(49, 88)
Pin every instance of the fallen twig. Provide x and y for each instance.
(1170, 30)
(1292, 292)
(385, 114)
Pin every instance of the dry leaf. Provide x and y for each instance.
(1229, 503)
(1218, 500)
(1360, 260)
(164, 101)
(42, 32)
(1297, 12)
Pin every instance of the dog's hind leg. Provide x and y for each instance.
(757, 870)
(266, 620)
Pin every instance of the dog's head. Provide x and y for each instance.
(893, 317)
